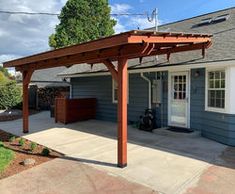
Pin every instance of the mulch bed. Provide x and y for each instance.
(17, 114)
(22, 153)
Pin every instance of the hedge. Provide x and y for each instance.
(10, 95)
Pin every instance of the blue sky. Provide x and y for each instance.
(169, 10)
(22, 35)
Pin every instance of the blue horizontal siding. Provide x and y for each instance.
(100, 87)
(216, 126)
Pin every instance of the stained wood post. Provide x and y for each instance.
(122, 113)
(26, 79)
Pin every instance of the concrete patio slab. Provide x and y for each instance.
(166, 164)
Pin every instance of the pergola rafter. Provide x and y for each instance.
(120, 48)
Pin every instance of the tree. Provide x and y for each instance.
(82, 21)
(4, 71)
(3, 78)
(10, 95)
(10, 92)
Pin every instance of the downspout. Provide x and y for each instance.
(149, 88)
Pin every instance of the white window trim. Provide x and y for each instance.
(226, 104)
(113, 83)
(113, 92)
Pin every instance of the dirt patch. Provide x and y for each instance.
(10, 115)
(23, 152)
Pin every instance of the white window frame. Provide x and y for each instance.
(226, 99)
(115, 101)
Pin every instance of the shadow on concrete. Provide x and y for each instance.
(198, 148)
(91, 161)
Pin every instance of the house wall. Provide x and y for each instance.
(217, 126)
(100, 87)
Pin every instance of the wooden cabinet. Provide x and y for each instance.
(72, 110)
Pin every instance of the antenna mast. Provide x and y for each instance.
(154, 17)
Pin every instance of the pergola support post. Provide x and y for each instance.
(26, 79)
(122, 113)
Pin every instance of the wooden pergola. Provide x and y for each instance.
(120, 48)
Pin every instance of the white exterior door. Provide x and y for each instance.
(178, 110)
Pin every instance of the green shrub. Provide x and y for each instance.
(6, 156)
(12, 139)
(1, 144)
(10, 94)
(45, 152)
(21, 142)
(33, 146)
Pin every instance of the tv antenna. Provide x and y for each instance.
(154, 17)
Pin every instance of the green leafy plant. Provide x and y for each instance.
(12, 139)
(33, 146)
(1, 144)
(21, 142)
(45, 152)
(10, 94)
(6, 155)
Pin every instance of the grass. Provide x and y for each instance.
(6, 156)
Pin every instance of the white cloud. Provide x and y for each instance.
(140, 23)
(119, 27)
(120, 8)
(22, 35)
(8, 57)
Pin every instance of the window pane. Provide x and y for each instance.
(211, 75)
(176, 79)
(223, 94)
(219, 94)
(222, 84)
(175, 95)
(218, 103)
(211, 84)
(217, 75)
(217, 83)
(180, 78)
(222, 103)
(115, 94)
(180, 87)
(222, 75)
(175, 87)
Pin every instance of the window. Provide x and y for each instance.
(216, 89)
(179, 92)
(115, 91)
(204, 22)
(220, 18)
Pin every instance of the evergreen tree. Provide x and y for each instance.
(82, 21)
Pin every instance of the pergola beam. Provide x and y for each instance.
(26, 79)
(111, 68)
(127, 51)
